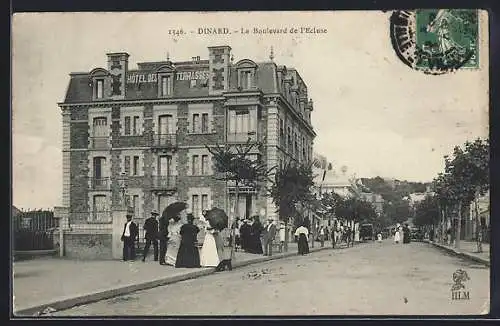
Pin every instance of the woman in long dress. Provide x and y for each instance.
(174, 237)
(303, 234)
(397, 235)
(188, 255)
(209, 256)
(255, 245)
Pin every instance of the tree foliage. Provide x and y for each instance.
(427, 211)
(233, 163)
(293, 186)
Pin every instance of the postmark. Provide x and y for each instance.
(436, 41)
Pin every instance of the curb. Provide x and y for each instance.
(459, 253)
(66, 303)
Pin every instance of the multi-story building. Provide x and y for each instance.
(142, 132)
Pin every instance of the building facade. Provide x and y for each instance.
(142, 134)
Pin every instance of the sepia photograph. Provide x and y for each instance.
(183, 164)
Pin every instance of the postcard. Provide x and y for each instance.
(250, 163)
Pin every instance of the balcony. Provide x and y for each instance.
(241, 137)
(99, 184)
(99, 142)
(164, 182)
(164, 141)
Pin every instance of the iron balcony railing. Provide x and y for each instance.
(164, 182)
(164, 140)
(99, 142)
(241, 137)
(99, 183)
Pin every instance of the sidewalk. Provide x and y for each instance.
(468, 250)
(62, 283)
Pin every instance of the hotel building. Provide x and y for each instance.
(141, 133)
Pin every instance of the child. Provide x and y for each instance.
(282, 236)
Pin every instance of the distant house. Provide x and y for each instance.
(341, 184)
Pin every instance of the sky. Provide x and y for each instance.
(371, 113)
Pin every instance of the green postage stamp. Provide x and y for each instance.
(436, 41)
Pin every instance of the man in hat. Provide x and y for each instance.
(151, 228)
(129, 236)
(268, 237)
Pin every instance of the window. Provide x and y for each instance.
(135, 129)
(165, 124)
(196, 163)
(126, 164)
(132, 165)
(204, 123)
(100, 127)
(239, 121)
(204, 202)
(132, 125)
(99, 208)
(195, 205)
(246, 79)
(127, 125)
(135, 166)
(166, 86)
(196, 122)
(99, 88)
(204, 164)
(99, 166)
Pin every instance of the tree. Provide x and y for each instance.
(292, 191)
(466, 175)
(397, 210)
(233, 164)
(427, 212)
(293, 184)
(469, 176)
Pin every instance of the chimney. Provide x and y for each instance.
(118, 69)
(219, 60)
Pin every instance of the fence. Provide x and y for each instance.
(34, 230)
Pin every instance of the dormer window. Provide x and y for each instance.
(246, 74)
(166, 85)
(99, 88)
(165, 77)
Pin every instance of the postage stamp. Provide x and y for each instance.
(436, 41)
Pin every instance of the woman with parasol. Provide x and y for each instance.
(175, 213)
(209, 256)
(215, 252)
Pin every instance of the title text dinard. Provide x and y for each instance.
(153, 77)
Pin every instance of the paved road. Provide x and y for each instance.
(369, 279)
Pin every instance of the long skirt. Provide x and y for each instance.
(303, 245)
(397, 237)
(255, 245)
(188, 256)
(209, 256)
(172, 250)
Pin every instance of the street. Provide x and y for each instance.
(368, 279)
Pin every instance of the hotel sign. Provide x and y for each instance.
(140, 78)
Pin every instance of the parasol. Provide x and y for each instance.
(173, 210)
(217, 218)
